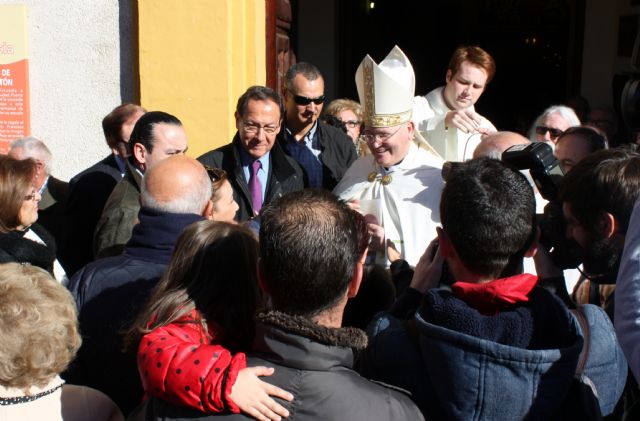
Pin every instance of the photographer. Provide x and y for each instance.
(597, 198)
(496, 346)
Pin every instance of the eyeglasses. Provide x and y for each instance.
(380, 137)
(31, 196)
(554, 133)
(251, 128)
(352, 124)
(303, 100)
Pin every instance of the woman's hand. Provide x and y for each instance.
(254, 397)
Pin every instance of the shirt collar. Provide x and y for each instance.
(44, 185)
(309, 135)
(247, 159)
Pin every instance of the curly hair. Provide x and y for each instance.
(336, 106)
(38, 327)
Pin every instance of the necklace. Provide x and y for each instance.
(23, 399)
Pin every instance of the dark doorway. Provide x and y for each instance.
(537, 46)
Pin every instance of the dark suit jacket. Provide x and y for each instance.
(338, 153)
(285, 175)
(88, 192)
(52, 207)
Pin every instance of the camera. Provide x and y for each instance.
(537, 157)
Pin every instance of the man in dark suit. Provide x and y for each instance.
(90, 189)
(258, 169)
(54, 192)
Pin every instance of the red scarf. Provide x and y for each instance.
(490, 298)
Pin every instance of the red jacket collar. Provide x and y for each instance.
(491, 297)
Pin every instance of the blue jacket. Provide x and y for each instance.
(463, 376)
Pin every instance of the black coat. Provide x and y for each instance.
(109, 294)
(314, 363)
(14, 248)
(285, 175)
(88, 192)
(51, 209)
(338, 153)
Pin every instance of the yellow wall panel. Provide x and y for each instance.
(196, 58)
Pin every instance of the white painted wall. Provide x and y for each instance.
(75, 63)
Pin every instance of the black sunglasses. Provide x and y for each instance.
(303, 100)
(542, 130)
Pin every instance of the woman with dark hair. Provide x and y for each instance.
(21, 240)
(198, 319)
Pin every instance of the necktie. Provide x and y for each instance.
(255, 187)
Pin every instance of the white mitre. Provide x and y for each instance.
(386, 92)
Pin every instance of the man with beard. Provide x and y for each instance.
(597, 197)
(324, 152)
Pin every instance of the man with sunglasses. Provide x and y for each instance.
(324, 152)
(550, 125)
(257, 167)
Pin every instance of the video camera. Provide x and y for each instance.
(537, 157)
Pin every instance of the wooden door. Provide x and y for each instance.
(279, 35)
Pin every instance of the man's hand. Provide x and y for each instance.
(545, 268)
(466, 120)
(428, 270)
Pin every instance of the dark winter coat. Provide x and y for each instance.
(314, 363)
(285, 175)
(109, 294)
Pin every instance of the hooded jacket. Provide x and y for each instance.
(518, 364)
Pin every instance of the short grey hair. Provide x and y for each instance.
(36, 149)
(308, 70)
(191, 200)
(565, 112)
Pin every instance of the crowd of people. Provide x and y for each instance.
(396, 258)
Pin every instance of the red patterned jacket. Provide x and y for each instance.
(179, 364)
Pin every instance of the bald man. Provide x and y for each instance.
(492, 145)
(175, 193)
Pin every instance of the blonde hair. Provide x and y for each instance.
(338, 105)
(38, 327)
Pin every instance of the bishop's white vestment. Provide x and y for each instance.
(409, 195)
(429, 112)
